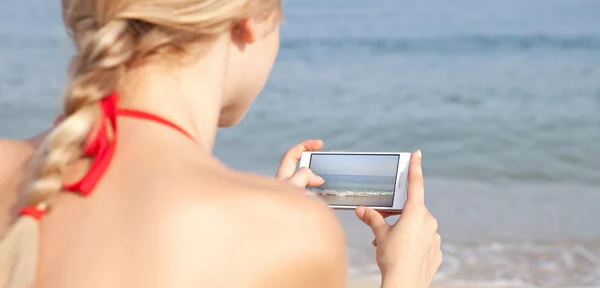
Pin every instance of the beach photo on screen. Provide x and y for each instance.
(356, 180)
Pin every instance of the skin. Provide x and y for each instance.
(15, 155)
(198, 223)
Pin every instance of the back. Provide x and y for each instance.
(184, 220)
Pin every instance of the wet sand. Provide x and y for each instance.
(381, 201)
(357, 282)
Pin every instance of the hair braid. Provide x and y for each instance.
(103, 53)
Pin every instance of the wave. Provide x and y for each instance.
(466, 43)
(575, 263)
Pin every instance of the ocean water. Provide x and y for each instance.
(356, 190)
(502, 97)
(358, 185)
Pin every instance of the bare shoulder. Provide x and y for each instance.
(14, 150)
(312, 245)
(15, 157)
(258, 233)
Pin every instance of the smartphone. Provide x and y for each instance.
(371, 179)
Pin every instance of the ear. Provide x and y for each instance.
(245, 31)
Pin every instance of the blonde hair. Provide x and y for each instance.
(110, 35)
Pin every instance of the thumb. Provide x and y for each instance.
(374, 220)
(416, 192)
(305, 177)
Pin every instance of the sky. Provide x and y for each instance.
(372, 165)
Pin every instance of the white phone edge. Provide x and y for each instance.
(400, 190)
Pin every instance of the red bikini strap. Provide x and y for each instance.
(34, 212)
(154, 118)
(99, 146)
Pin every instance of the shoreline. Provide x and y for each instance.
(375, 282)
(486, 264)
(355, 200)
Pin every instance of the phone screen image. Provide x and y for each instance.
(356, 179)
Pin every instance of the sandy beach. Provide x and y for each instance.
(377, 201)
(358, 282)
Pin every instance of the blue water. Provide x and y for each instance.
(502, 97)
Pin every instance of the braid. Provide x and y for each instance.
(95, 72)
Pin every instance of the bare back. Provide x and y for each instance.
(181, 219)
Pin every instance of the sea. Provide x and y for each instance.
(502, 97)
(358, 185)
(357, 190)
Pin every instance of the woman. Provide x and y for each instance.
(144, 202)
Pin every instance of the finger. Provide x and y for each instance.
(392, 213)
(374, 243)
(305, 177)
(292, 156)
(373, 219)
(416, 192)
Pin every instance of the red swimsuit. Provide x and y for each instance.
(101, 148)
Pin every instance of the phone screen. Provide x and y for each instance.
(356, 179)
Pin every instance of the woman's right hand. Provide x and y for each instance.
(408, 252)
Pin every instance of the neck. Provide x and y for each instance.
(188, 95)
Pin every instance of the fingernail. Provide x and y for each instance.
(320, 178)
(361, 211)
(419, 154)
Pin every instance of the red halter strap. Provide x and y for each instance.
(101, 147)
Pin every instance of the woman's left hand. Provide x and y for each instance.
(304, 176)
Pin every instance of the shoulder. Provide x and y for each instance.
(312, 245)
(15, 157)
(277, 235)
(19, 149)
(14, 150)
